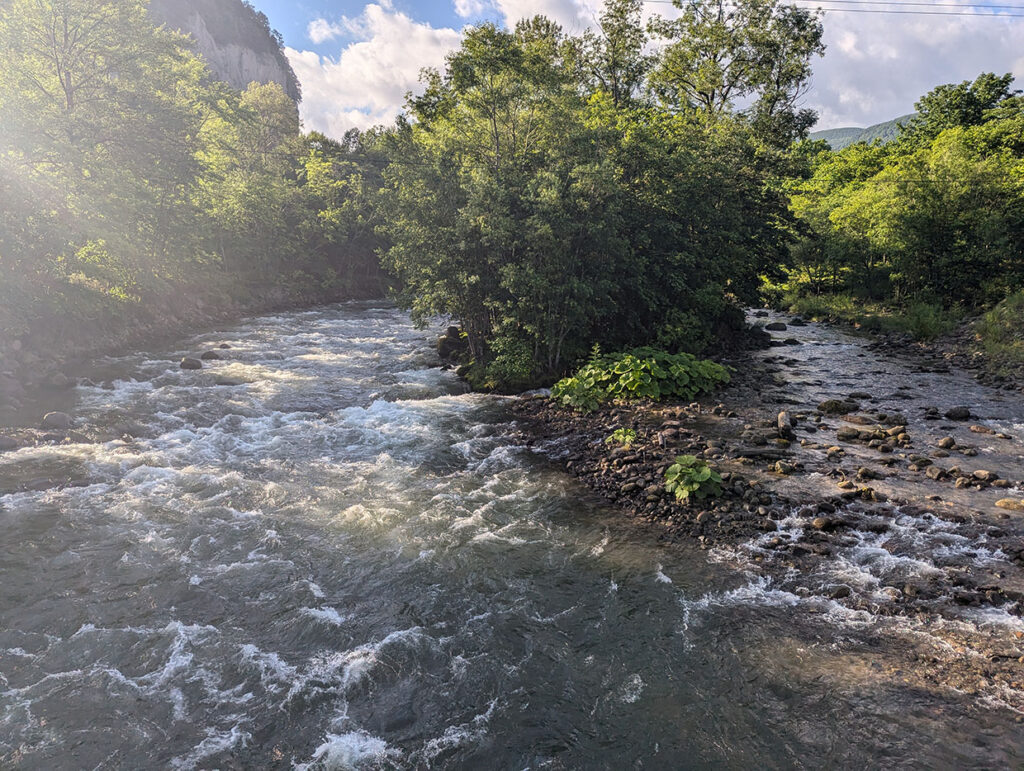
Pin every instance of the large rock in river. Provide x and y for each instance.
(190, 363)
(57, 421)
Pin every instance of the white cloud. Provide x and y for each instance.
(467, 8)
(875, 68)
(877, 65)
(367, 83)
(321, 30)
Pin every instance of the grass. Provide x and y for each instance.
(920, 320)
(1001, 331)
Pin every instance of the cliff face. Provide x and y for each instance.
(234, 38)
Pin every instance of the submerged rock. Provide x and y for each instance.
(190, 363)
(57, 421)
(958, 413)
(838, 406)
(8, 443)
(211, 356)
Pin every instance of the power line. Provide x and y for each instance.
(974, 6)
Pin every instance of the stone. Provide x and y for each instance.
(796, 321)
(1011, 504)
(985, 476)
(946, 443)
(190, 363)
(775, 326)
(958, 413)
(8, 443)
(224, 347)
(934, 472)
(847, 434)
(838, 407)
(211, 356)
(982, 430)
(781, 467)
(57, 421)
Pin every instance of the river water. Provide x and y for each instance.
(346, 561)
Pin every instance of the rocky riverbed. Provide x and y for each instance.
(887, 486)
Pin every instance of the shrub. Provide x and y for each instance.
(691, 476)
(1001, 330)
(623, 436)
(643, 373)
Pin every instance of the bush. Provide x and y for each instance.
(1001, 330)
(643, 373)
(691, 476)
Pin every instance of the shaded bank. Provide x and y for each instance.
(41, 353)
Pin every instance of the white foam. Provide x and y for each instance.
(357, 749)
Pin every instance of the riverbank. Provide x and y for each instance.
(41, 357)
(989, 346)
(885, 486)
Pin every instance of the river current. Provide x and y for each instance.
(341, 559)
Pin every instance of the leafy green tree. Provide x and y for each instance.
(720, 54)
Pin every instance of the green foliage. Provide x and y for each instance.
(624, 436)
(643, 373)
(129, 176)
(1001, 330)
(920, 320)
(692, 477)
(540, 196)
(932, 221)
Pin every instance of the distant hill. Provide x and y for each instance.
(235, 40)
(841, 137)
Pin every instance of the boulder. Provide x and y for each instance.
(211, 356)
(57, 421)
(796, 321)
(775, 326)
(946, 443)
(224, 346)
(190, 363)
(1011, 504)
(838, 406)
(8, 443)
(958, 413)
(847, 434)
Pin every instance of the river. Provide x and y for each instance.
(341, 559)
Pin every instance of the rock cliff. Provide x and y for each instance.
(235, 39)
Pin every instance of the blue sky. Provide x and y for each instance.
(358, 59)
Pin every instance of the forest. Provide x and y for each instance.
(633, 186)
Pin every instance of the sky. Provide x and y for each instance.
(357, 60)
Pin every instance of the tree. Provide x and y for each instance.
(723, 53)
(956, 105)
(614, 55)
